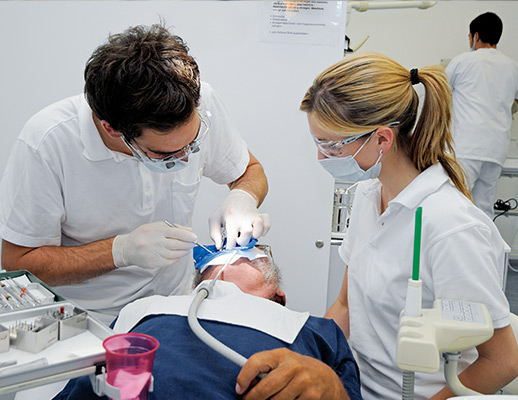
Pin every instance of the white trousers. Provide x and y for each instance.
(482, 180)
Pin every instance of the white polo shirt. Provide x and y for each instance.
(63, 187)
(462, 255)
(485, 84)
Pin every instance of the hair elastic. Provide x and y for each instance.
(414, 78)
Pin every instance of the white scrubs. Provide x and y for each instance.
(462, 258)
(482, 179)
(63, 187)
(484, 84)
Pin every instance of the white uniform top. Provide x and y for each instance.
(485, 84)
(63, 186)
(461, 254)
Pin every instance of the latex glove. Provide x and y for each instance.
(239, 216)
(289, 376)
(154, 245)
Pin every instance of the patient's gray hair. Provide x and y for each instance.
(266, 265)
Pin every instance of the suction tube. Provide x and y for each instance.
(204, 336)
(408, 385)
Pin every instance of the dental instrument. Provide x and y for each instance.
(172, 225)
(9, 298)
(10, 294)
(5, 303)
(23, 290)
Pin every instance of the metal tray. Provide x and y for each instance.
(76, 356)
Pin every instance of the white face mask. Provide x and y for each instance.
(346, 169)
(165, 166)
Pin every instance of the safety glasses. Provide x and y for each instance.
(184, 152)
(265, 248)
(332, 148)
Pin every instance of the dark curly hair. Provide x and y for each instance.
(141, 78)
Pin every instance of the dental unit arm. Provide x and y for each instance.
(449, 327)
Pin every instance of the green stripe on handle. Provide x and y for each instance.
(417, 243)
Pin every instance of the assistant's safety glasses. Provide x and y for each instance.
(332, 148)
(184, 152)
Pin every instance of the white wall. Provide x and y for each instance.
(416, 37)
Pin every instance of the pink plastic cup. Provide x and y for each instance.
(129, 363)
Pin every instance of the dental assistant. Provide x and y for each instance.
(361, 112)
(92, 178)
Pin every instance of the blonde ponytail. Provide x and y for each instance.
(369, 90)
(432, 141)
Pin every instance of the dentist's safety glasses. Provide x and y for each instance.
(333, 148)
(203, 259)
(171, 160)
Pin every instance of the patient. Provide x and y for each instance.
(246, 312)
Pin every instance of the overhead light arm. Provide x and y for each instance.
(362, 6)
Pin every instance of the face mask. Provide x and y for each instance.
(473, 47)
(346, 169)
(165, 166)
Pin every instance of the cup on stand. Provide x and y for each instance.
(129, 363)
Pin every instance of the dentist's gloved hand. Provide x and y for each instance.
(153, 245)
(239, 216)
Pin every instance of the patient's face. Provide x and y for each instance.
(245, 276)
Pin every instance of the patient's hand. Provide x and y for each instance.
(289, 376)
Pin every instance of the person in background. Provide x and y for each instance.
(485, 87)
(92, 178)
(362, 113)
(246, 312)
